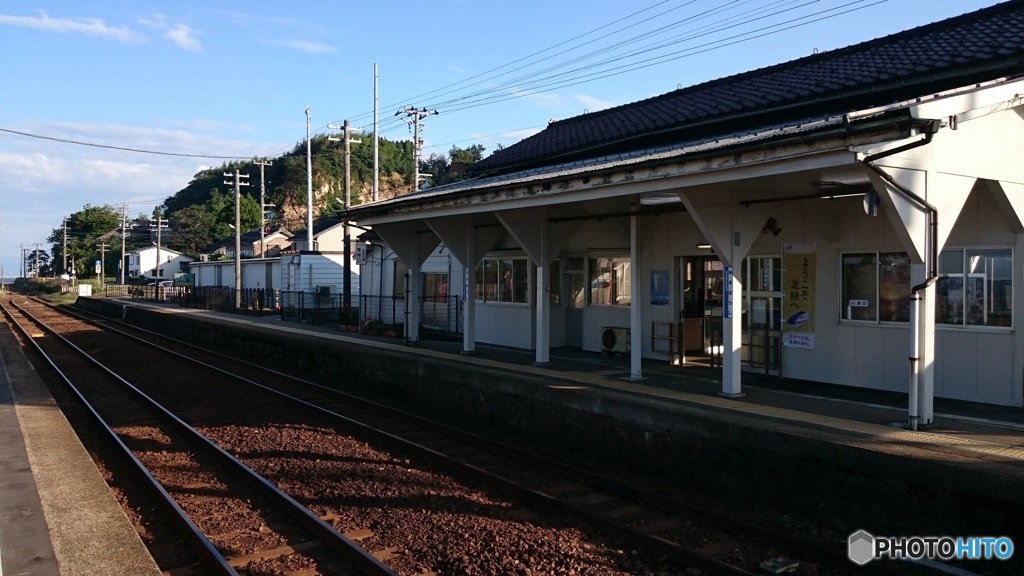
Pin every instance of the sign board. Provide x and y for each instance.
(360, 254)
(85, 289)
(727, 292)
(799, 269)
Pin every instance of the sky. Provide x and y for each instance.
(122, 102)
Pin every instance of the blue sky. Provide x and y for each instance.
(200, 82)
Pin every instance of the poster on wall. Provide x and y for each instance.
(799, 266)
(659, 287)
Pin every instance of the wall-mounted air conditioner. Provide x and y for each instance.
(615, 340)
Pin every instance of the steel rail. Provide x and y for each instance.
(206, 550)
(365, 561)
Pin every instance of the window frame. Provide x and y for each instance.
(520, 271)
(964, 274)
(616, 259)
(877, 303)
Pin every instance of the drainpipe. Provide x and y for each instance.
(931, 258)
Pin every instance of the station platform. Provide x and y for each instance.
(981, 432)
(840, 444)
(57, 514)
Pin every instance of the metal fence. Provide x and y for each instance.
(442, 316)
(436, 314)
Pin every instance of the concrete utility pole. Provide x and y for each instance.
(37, 260)
(415, 118)
(346, 282)
(238, 233)
(376, 141)
(159, 229)
(103, 262)
(263, 206)
(64, 249)
(124, 233)
(309, 187)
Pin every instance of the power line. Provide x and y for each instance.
(94, 145)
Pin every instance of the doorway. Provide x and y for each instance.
(575, 300)
(701, 288)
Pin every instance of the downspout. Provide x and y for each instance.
(931, 260)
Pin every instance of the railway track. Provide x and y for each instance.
(671, 533)
(234, 519)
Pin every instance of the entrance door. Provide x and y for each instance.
(701, 289)
(575, 300)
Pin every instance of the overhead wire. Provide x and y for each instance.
(520, 78)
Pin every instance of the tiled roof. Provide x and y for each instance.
(957, 52)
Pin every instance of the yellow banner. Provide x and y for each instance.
(799, 268)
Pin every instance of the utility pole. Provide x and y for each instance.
(414, 117)
(309, 187)
(124, 233)
(159, 228)
(376, 141)
(346, 282)
(103, 263)
(64, 249)
(37, 260)
(238, 233)
(263, 206)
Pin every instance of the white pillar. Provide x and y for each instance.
(543, 320)
(926, 382)
(469, 295)
(732, 330)
(635, 327)
(412, 304)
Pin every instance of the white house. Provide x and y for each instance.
(853, 217)
(143, 262)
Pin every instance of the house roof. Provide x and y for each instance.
(952, 53)
(319, 227)
(248, 239)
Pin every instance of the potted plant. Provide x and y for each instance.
(348, 320)
(372, 326)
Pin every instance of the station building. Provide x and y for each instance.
(853, 217)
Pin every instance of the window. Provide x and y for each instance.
(398, 284)
(555, 283)
(875, 286)
(975, 287)
(435, 286)
(610, 282)
(761, 278)
(502, 280)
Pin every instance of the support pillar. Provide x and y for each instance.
(635, 305)
(543, 304)
(469, 297)
(732, 331)
(412, 304)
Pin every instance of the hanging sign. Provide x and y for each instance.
(799, 268)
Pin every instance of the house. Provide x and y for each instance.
(328, 236)
(272, 241)
(143, 262)
(853, 217)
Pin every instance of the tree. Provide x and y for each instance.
(84, 229)
(451, 168)
(37, 263)
(191, 229)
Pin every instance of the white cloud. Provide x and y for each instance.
(303, 46)
(181, 35)
(591, 103)
(87, 26)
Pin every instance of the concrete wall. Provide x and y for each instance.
(729, 455)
